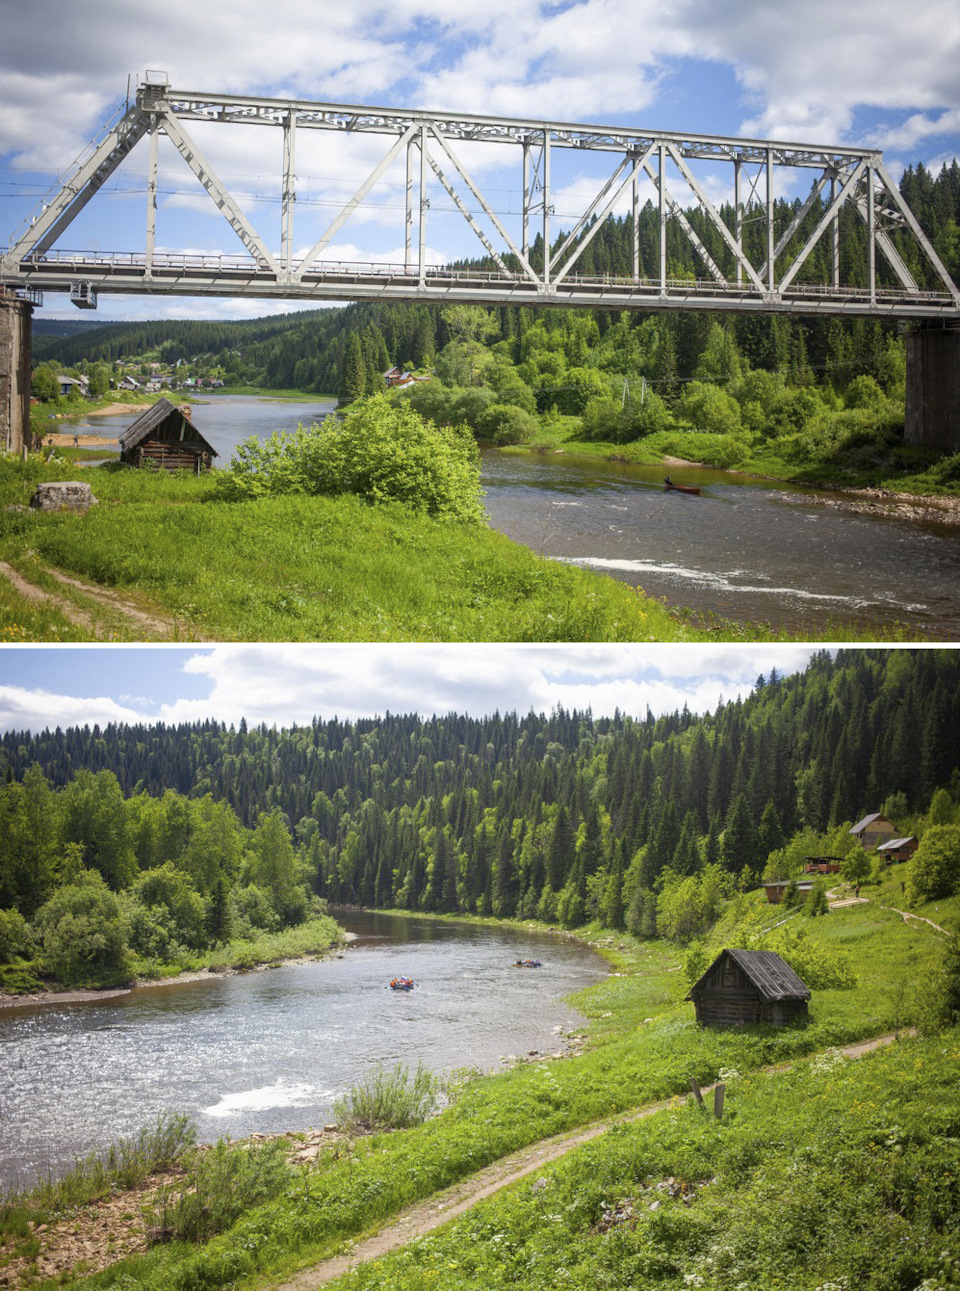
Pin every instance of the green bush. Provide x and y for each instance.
(82, 930)
(389, 1100)
(381, 452)
(504, 423)
(708, 408)
(934, 869)
(863, 392)
(16, 938)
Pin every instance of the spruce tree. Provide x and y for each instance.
(353, 381)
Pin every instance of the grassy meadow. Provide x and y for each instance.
(836, 1173)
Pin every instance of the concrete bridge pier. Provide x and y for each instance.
(15, 328)
(933, 387)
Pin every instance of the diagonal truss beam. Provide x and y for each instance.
(491, 216)
(714, 217)
(90, 176)
(195, 159)
(320, 245)
(674, 208)
(916, 230)
(638, 165)
(825, 221)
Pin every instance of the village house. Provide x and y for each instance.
(898, 849)
(396, 378)
(165, 436)
(746, 987)
(822, 864)
(73, 385)
(776, 888)
(873, 830)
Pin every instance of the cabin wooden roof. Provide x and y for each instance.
(772, 976)
(155, 416)
(861, 825)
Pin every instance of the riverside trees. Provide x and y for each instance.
(116, 885)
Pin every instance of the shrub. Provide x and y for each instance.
(816, 902)
(81, 928)
(708, 408)
(221, 1185)
(934, 869)
(601, 419)
(381, 452)
(863, 392)
(389, 1100)
(504, 423)
(16, 939)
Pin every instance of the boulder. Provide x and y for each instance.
(71, 495)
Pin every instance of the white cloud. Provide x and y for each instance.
(287, 683)
(22, 709)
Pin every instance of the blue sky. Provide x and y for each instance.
(877, 72)
(65, 686)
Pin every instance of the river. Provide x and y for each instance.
(744, 549)
(270, 1051)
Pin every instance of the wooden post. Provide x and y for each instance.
(696, 1090)
(718, 1092)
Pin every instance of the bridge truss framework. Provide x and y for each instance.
(430, 144)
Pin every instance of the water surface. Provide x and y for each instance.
(270, 1051)
(744, 549)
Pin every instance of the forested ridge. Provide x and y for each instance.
(565, 817)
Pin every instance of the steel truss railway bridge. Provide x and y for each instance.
(426, 149)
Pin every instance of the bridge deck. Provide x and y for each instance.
(221, 275)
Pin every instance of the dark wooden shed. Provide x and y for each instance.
(744, 987)
(165, 436)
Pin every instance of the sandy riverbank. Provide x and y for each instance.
(82, 441)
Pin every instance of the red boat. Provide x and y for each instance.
(669, 487)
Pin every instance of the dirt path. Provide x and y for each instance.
(906, 916)
(420, 1219)
(151, 626)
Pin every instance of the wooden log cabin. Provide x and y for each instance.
(746, 987)
(164, 436)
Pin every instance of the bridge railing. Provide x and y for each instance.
(101, 266)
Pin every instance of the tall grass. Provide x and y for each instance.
(389, 1100)
(124, 1165)
(322, 569)
(217, 1188)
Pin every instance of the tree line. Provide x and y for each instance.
(565, 817)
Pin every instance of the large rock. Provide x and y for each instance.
(71, 495)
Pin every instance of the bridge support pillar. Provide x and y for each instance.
(933, 388)
(15, 329)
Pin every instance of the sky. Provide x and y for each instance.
(282, 685)
(862, 72)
